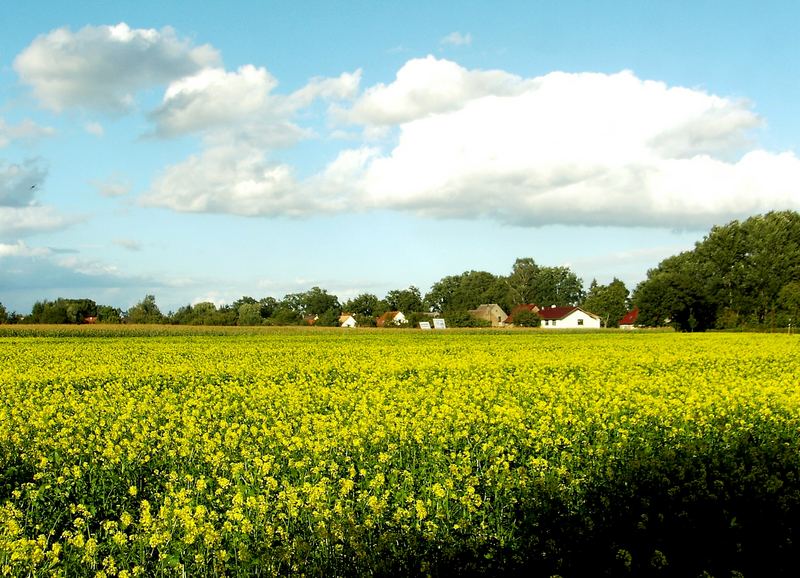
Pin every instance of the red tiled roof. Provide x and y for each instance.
(387, 317)
(555, 312)
(630, 317)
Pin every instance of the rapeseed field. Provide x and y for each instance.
(382, 453)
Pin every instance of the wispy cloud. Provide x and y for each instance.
(94, 128)
(129, 244)
(114, 186)
(457, 39)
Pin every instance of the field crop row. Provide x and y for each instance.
(399, 453)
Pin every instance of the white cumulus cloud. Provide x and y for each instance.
(242, 105)
(102, 67)
(564, 148)
(241, 120)
(593, 149)
(425, 86)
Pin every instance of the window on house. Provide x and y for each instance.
(580, 321)
(554, 322)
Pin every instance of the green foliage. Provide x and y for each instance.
(406, 300)
(3, 314)
(526, 318)
(249, 314)
(609, 302)
(146, 311)
(789, 300)
(365, 305)
(329, 318)
(317, 301)
(466, 291)
(285, 316)
(62, 311)
(464, 319)
(732, 278)
(108, 314)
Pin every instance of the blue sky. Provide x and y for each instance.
(209, 151)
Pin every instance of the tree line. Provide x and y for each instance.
(743, 274)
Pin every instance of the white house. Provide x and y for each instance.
(568, 318)
(391, 318)
(346, 320)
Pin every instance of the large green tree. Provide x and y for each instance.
(465, 291)
(406, 300)
(365, 304)
(556, 286)
(146, 311)
(609, 302)
(734, 276)
(520, 283)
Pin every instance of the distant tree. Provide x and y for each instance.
(365, 304)
(526, 318)
(789, 301)
(3, 314)
(365, 320)
(674, 298)
(204, 313)
(464, 319)
(329, 318)
(520, 284)
(735, 275)
(79, 309)
(146, 311)
(283, 315)
(108, 314)
(556, 286)
(609, 302)
(317, 301)
(249, 314)
(294, 302)
(268, 306)
(465, 291)
(405, 300)
(244, 300)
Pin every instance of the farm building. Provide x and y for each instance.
(347, 320)
(391, 318)
(491, 312)
(568, 318)
(629, 321)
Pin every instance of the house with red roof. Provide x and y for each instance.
(629, 321)
(568, 318)
(391, 318)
